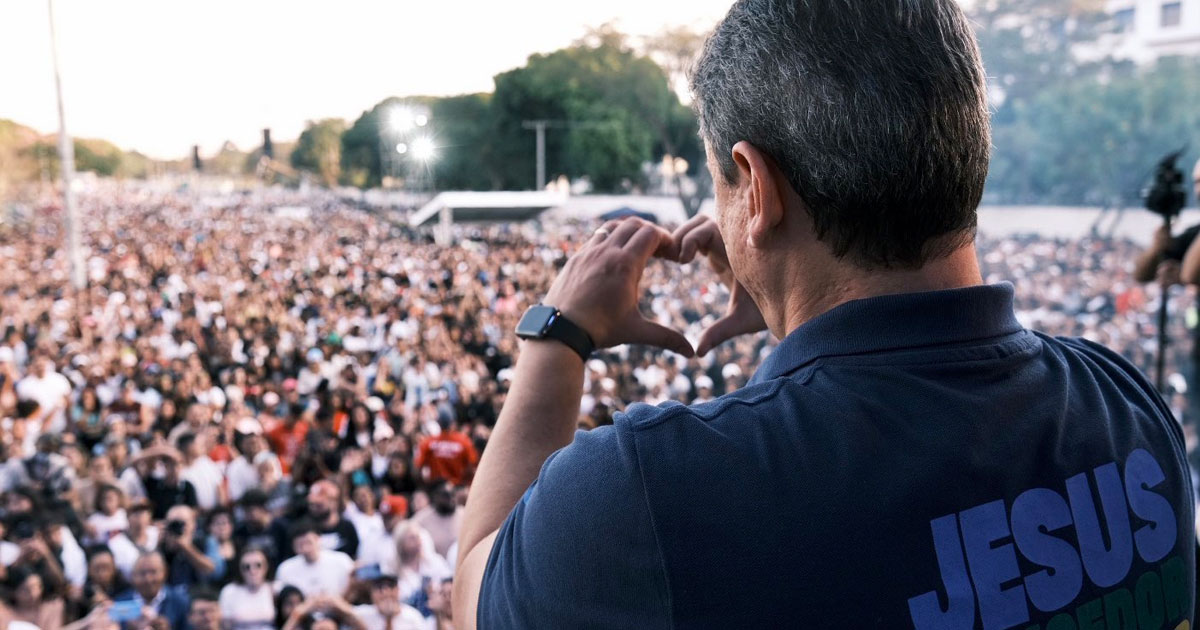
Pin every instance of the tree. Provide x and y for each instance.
(675, 49)
(612, 108)
(319, 150)
(462, 131)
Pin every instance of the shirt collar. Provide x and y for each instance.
(895, 322)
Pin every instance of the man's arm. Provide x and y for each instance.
(1189, 271)
(598, 291)
(1146, 267)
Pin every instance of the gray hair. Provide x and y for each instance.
(874, 110)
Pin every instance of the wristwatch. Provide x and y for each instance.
(547, 322)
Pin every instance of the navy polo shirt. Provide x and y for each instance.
(906, 461)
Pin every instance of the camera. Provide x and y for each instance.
(176, 528)
(1166, 194)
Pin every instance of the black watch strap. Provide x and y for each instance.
(576, 338)
(547, 322)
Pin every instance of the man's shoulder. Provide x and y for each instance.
(641, 417)
(336, 558)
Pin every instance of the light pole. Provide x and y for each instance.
(66, 157)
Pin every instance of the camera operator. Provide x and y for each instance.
(186, 563)
(1173, 260)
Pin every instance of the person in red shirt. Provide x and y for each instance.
(288, 436)
(450, 455)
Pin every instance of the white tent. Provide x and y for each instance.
(498, 207)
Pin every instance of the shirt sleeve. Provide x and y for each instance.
(579, 549)
(1179, 244)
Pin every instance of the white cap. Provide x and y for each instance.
(703, 382)
(731, 370)
(375, 404)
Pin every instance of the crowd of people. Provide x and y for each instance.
(254, 419)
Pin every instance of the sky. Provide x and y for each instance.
(158, 76)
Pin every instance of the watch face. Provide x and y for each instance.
(536, 320)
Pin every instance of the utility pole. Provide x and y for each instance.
(540, 126)
(66, 157)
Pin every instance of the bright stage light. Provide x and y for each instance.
(423, 149)
(401, 119)
(401, 148)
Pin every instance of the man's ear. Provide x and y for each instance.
(764, 199)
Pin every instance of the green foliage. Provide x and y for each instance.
(462, 131)
(1069, 127)
(612, 108)
(95, 156)
(362, 163)
(1094, 142)
(319, 150)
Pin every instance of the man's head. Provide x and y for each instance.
(254, 502)
(324, 500)
(849, 135)
(138, 516)
(149, 574)
(306, 540)
(204, 613)
(442, 498)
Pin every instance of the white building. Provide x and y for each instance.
(1149, 29)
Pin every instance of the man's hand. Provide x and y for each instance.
(598, 287)
(1162, 239)
(701, 236)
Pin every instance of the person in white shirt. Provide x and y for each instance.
(249, 603)
(204, 474)
(109, 518)
(415, 560)
(314, 570)
(140, 538)
(241, 473)
(374, 542)
(51, 391)
(386, 611)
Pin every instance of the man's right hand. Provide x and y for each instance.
(701, 236)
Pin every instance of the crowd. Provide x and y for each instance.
(254, 419)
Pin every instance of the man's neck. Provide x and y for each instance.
(957, 270)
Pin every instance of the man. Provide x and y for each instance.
(287, 437)
(325, 508)
(51, 391)
(257, 528)
(1176, 259)
(162, 608)
(164, 483)
(314, 570)
(187, 562)
(139, 538)
(202, 472)
(907, 457)
(386, 611)
(442, 518)
(449, 455)
(241, 474)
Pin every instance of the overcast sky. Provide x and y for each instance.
(161, 75)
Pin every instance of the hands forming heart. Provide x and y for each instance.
(599, 286)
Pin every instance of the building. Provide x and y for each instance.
(1149, 29)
